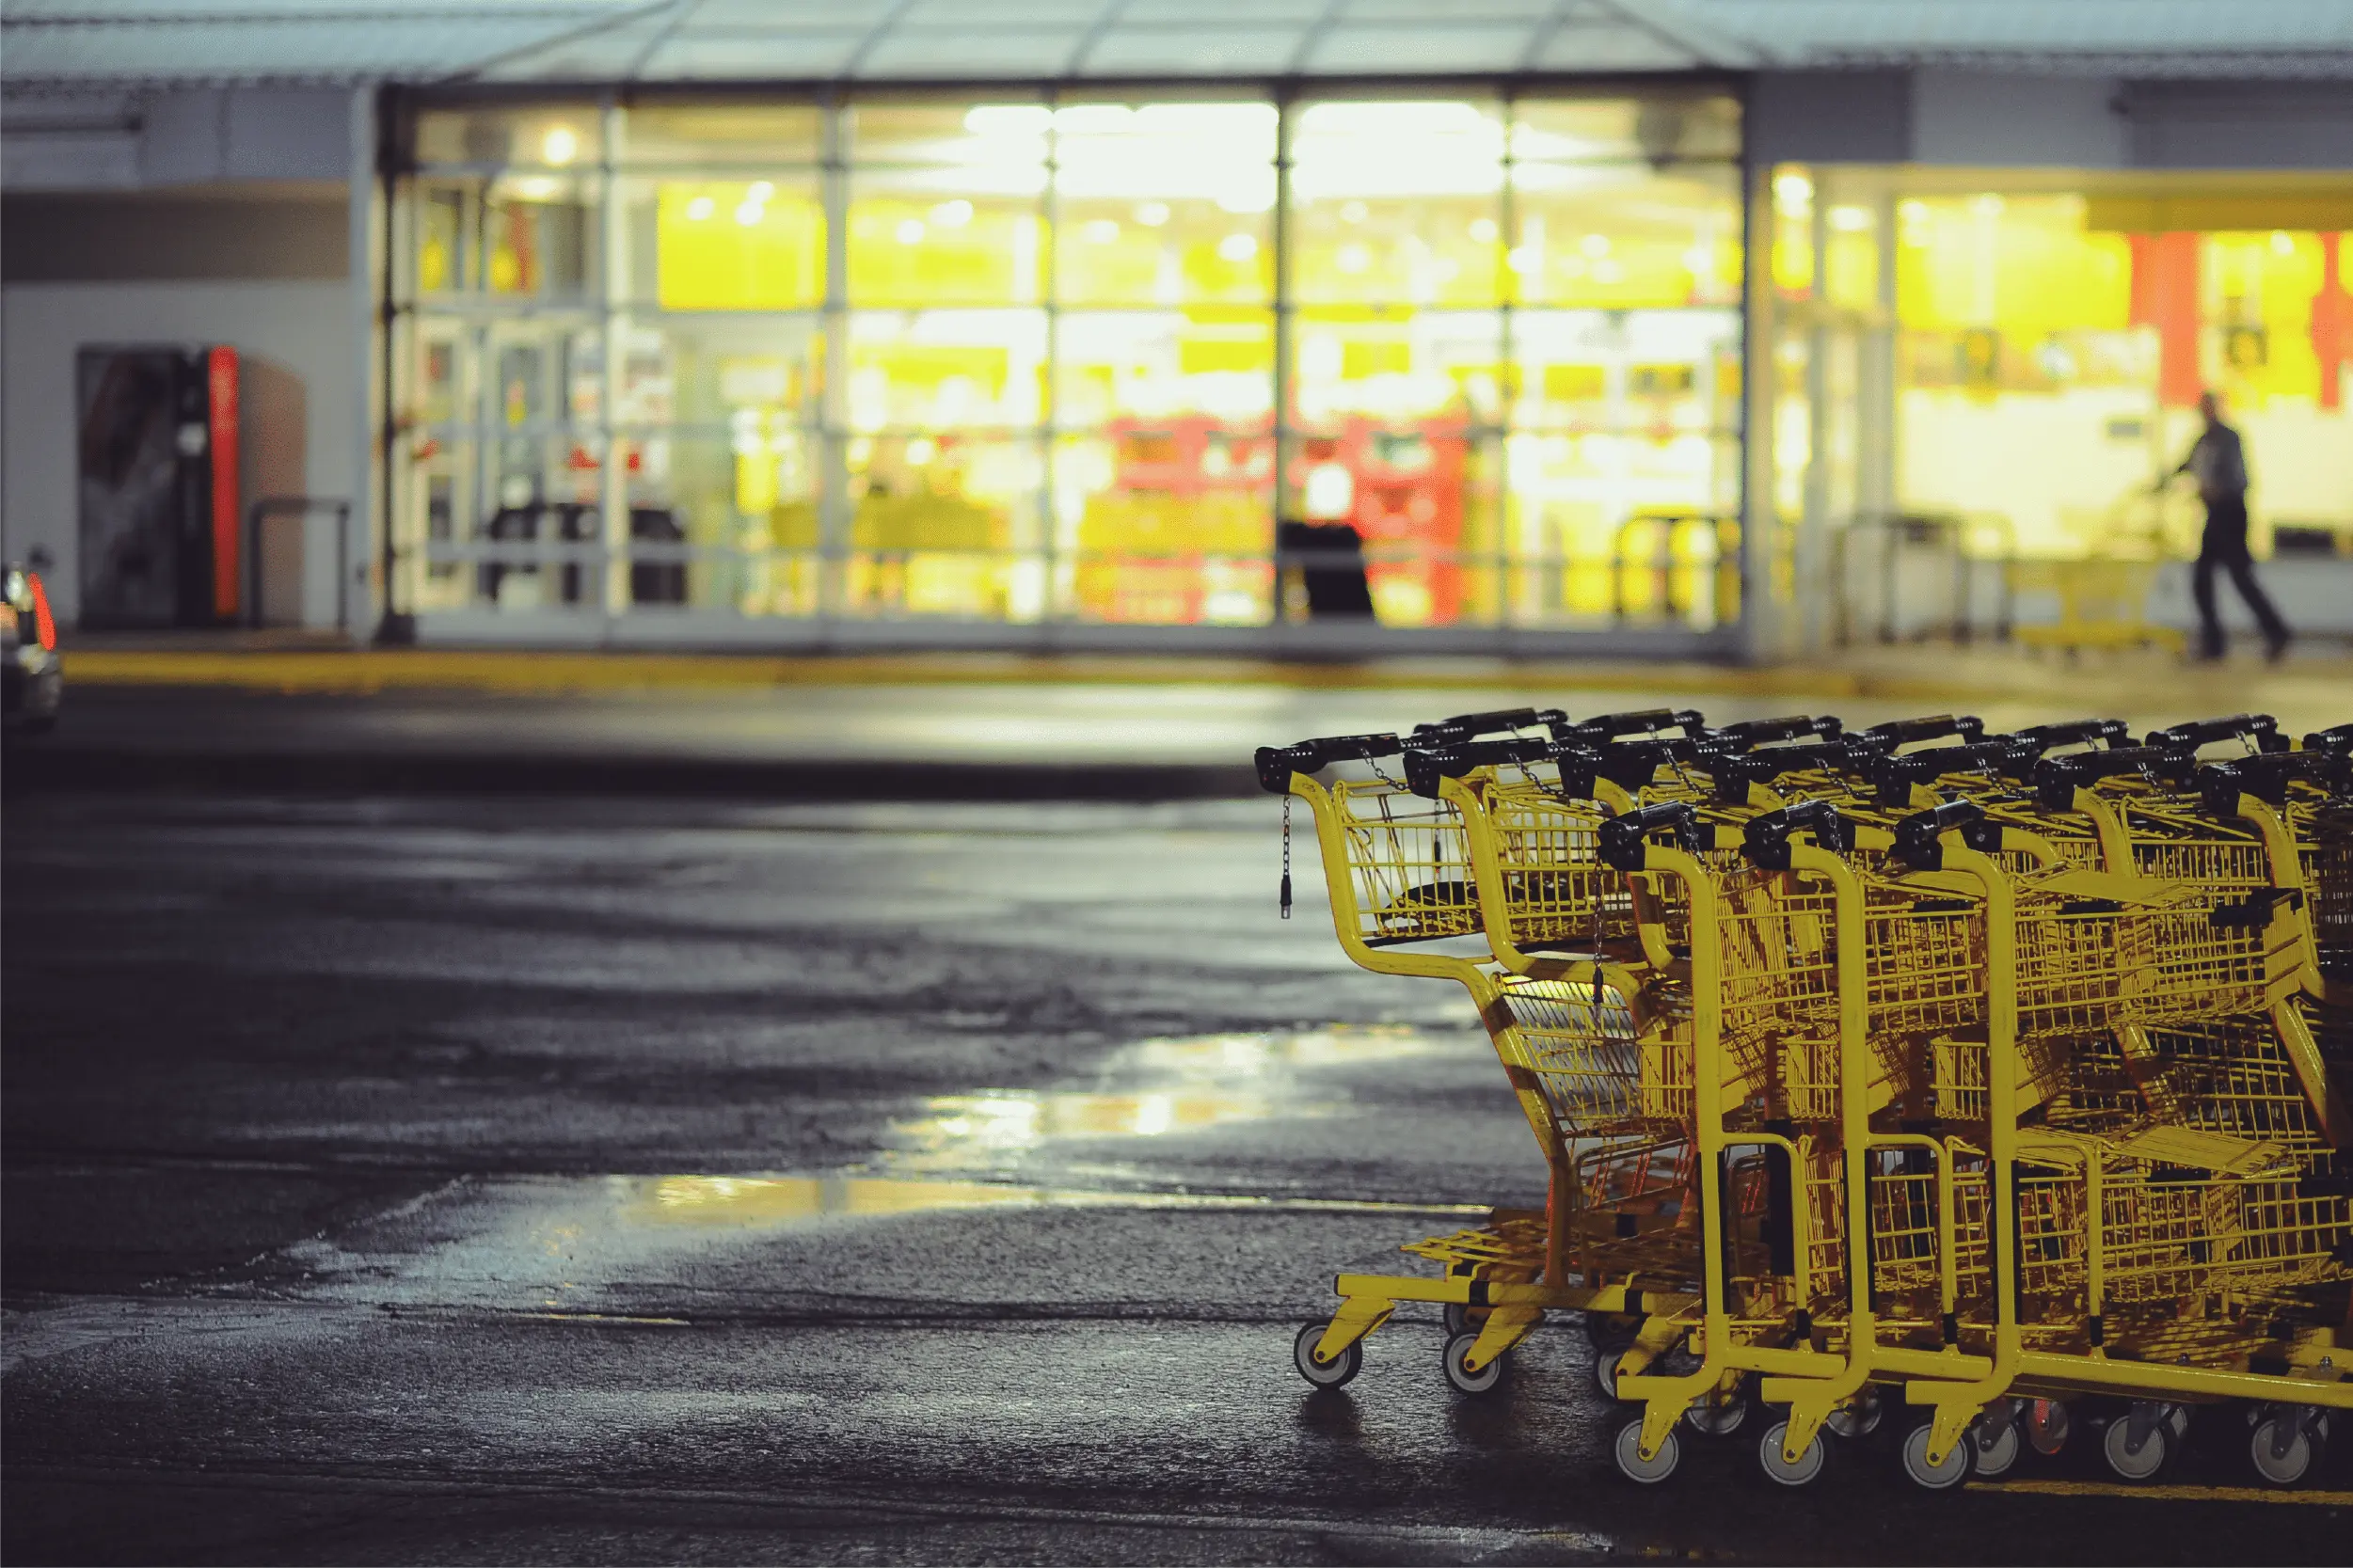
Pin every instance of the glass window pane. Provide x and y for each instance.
(1160, 364)
(1623, 238)
(538, 136)
(749, 244)
(690, 134)
(1167, 521)
(1654, 128)
(728, 523)
(1397, 203)
(1006, 136)
(945, 525)
(720, 375)
(1165, 203)
(944, 370)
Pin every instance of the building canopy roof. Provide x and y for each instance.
(99, 44)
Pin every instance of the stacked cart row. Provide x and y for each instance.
(1994, 1080)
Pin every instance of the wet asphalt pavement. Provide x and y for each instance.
(455, 1178)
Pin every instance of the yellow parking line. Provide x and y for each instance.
(2174, 1493)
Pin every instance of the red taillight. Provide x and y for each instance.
(44, 624)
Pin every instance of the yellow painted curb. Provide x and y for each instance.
(519, 674)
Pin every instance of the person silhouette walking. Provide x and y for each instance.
(2219, 463)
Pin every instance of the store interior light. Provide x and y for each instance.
(2281, 243)
(952, 215)
(921, 450)
(911, 232)
(1353, 212)
(536, 187)
(700, 208)
(1101, 231)
(1850, 220)
(1524, 259)
(1987, 206)
(1093, 120)
(1007, 120)
(1794, 192)
(1253, 193)
(561, 145)
(1354, 258)
(1595, 245)
(749, 213)
(1483, 232)
(1238, 247)
(760, 190)
(1151, 215)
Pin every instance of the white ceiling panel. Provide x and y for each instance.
(1577, 47)
(972, 52)
(751, 56)
(1490, 46)
(1180, 52)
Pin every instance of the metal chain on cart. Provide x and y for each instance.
(1287, 857)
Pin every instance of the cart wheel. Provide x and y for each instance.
(1325, 1374)
(1994, 1445)
(1717, 1418)
(2284, 1447)
(1776, 1467)
(2137, 1463)
(1630, 1463)
(1465, 1320)
(2047, 1424)
(1935, 1478)
(1461, 1377)
(1859, 1417)
(1605, 1371)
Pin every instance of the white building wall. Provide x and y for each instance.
(297, 402)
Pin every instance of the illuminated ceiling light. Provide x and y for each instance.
(1151, 215)
(1595, 245)
(1238, 247)
(1484, 230)
(561, 145)
(1608, 270)
(761, 190)
(1354, 258)
(1699, 259)
(1256, 196)
(2281, 243)
(750, 214)
(921, 450)
(1007, 120)
(952, 215)
(1987, 206)
(700, 208)
(1524, 259)
(538, 187)
(1093, 119)
(1850, 220)
(911, 232)
(1353, 212)
(1101, 231)
(1794, 191)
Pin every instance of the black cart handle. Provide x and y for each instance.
(2339, 740)
(2077, 731)
(1750, 733)
(1733, 774)
(1275, 764)
(2056, 779)
(1426, 766)
(2261, 728)
(1649, 722)
(1766, 839)
(1919, 837)
(1896, 775)
(1471, 726)
(1621, 838)
(1934, 726)
(2220, 783)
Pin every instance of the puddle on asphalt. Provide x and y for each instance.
(736, 1202)
(1150, 1089)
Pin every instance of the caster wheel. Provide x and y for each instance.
(2284, 1448)
(1605, 1371)
(1994, 1446)
(2047, 1424)
(1858, 1418)
(1461, 1378)
(1934, 1477)
(2141, 1463)
(1325, 1374)
(1711, 1418)
(1778, 1468)
(1464, 1320)
(1628, 1451)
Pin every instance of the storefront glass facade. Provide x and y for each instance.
(1010, 362)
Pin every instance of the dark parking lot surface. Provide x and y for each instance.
(454, 1178)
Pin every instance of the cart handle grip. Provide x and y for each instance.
(1918, 841)
(2220, 783)
(2339, 740)
(1611, 726)
(1275, 764)
(1751, 733)
(1734, 773)
(1621, 838)
(1766, 839)
(1471, 726)
(2261, 728)
(2110, 732)
(1896, 775)
(1936, 726)
(2056, 779)
(1426, 766)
